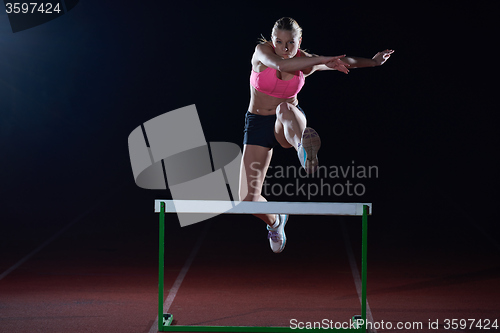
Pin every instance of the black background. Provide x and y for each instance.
(73, 89)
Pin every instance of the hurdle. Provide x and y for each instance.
(165, 320)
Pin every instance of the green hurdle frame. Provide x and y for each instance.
(165, 319)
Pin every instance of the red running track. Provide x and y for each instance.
(101, 274)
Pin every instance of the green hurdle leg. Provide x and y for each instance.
(161, 266)
(364, 252)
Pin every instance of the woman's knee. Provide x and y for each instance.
(251, 191)
(250, 197)
(284, 110)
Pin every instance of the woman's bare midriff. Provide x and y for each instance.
(266, 105)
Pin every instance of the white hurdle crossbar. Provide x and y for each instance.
(252, 207)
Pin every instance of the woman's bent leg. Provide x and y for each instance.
(291, 131)
(290, 123)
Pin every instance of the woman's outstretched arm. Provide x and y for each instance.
(266, 55)
(354, 62)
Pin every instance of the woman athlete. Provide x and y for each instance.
(274, 116)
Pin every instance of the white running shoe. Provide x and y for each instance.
(308, 149)
(276, 236)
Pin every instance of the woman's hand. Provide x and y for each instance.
(337, 64)
(381, 57)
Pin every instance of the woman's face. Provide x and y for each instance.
(286, 43)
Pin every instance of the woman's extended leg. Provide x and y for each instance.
(254, 164)
(253, 170)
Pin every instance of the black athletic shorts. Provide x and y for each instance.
(259, 130)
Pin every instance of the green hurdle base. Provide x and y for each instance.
(168, 318)
(165, 324)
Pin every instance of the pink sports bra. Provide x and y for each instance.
(268, 83)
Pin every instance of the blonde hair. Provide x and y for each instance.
(284, 23)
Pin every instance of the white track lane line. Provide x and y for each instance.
(355, 271)
(182, 274)
(57, 234)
